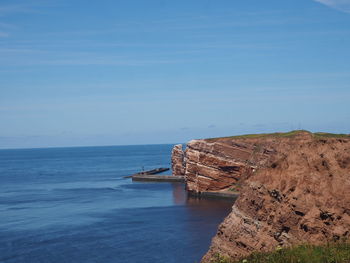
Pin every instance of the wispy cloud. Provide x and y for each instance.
(28, 57)
(3, 34)
(341, 5)
(7, 26)
(14, 8)
(6, 10)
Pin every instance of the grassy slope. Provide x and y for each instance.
(331, 253)
(286, 134)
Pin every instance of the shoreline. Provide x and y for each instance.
(214, 195)
(181, 179)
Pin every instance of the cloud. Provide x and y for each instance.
(341, 5)
(13, 9)
(3, 34)
(7, 26)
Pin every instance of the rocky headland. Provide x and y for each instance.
(178, 160)
(293, 188)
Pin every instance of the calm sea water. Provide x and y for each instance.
(73, 205)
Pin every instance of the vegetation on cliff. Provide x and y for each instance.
(330, 253)
(286, 134)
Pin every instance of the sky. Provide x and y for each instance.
(111, 72)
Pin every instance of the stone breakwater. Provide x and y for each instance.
(293, 189)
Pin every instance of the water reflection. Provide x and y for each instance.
(179, 193)
(207, 208)
(200, 218)
(181, 197)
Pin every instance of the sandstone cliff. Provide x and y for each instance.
(222, 164)
(178, 161)
(295, 188)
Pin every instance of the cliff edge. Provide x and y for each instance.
(298, 191)
(294, 188)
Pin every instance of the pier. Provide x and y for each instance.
(158, 178)
(150, 176)
(148, 172)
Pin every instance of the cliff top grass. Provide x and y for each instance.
(317, 135)
(330, 253)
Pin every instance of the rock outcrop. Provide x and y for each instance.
(222, 164)
(178, 161)
(296, 189)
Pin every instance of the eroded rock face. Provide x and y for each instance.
(299, 193)
(177, 161)
(216, 165)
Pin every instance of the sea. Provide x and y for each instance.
(74, 205)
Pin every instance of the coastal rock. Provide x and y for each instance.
(299, 192)
(219, 165)
(177, 161)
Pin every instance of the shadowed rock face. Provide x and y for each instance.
(298, 191)
(177, 161)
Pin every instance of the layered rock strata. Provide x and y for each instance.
(222, 164)
(178, 161)
(297, 191)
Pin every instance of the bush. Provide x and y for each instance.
(330, 253)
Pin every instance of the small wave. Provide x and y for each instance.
(18, 208)
(88, 189)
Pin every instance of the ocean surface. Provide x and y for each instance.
(73, 205)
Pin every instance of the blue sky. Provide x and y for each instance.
(136, 72)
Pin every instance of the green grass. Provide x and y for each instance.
(330, 135)
(284, 135)
(330, 253)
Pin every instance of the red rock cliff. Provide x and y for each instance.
(297, 189)
(177, 161)
(221, 164)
